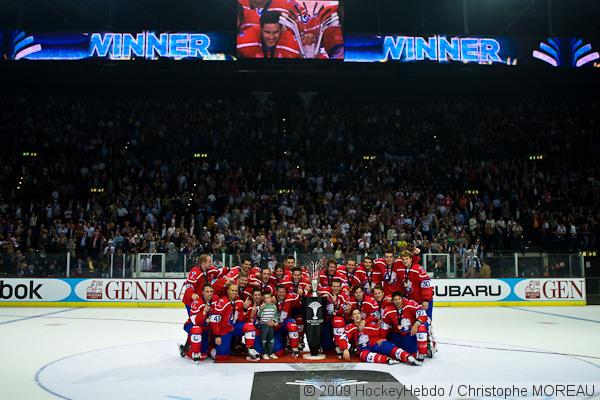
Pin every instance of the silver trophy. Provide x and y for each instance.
(308, 28)
(314, 313)
(314, 270)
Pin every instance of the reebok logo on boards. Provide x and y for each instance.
(21, 291)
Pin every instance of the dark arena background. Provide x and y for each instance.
(183, 181)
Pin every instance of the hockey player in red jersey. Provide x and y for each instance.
(290, 264)
(252, 315)
(246, 269)
(368, 275)
(254, 9)
(227, 321)
(349, 273)
(286, 303)
(267, 40)
(414, 280)
(244, 287)
(364, 303)
(198, 324)
(388, 269)
(329, 274)
(405, 321)
(201, 274)
(416, 285)
(280, 275)
(300, 285)
(297, 284)
(369, 340)
(381, 301)
(264, 282)
(338, 307)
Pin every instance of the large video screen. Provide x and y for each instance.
(298, 30)
(290, 29)
(147, 45)
(442, 49)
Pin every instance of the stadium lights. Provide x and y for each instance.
(588, 253)
(29, 154)
(96, 190)
(536, 157)
(474, 192)
(284, 191)
(200, 155)
(369, 158)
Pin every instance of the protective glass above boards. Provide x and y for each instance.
(291, 29)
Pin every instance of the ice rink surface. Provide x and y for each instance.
(131, 353)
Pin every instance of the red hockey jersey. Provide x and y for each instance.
(369, 279)
(401, 321)
(340, 307)
(414, 282)
(325, 279)
(350, 279)
(285, 306)
(225, 314)
(368, 336)
(367, 307)
(292, 287)
(199, 307)
(389, 274)
(380, 306)
(221, 284)
(268, 287)
(195, 281)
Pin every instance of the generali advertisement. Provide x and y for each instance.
(550, 289)
(161, 291)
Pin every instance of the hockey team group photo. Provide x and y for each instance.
(378, 311)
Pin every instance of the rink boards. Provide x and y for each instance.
(72, 292)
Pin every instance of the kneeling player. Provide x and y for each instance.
(369, 340)
(227, 322)
(406, 321)
(196, 346)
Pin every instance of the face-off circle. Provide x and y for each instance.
(154, 370)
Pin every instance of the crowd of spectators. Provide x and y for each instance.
(95, 176)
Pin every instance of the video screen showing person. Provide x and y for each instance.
(290, 29)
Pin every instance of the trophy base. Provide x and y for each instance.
(308, 356)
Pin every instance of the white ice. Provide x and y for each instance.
(130, 353)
